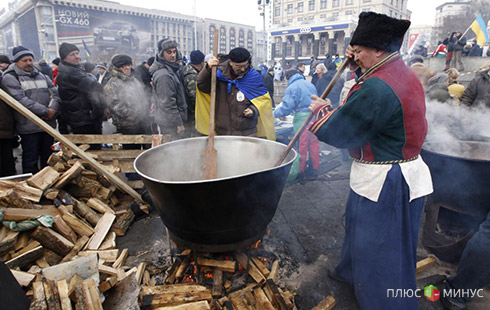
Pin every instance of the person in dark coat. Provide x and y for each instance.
(4, 62)
(45, 69)
(323, 82)
(142, 73)
(269, 84)
(82, 99)
(7, 162)
(103, 75)
(449, 42)
(478, 92)
(476, 50)
(320, 70)
(459, 43)
(438, 88)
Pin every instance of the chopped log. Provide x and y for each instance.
(172, 272)
(121, 259)
(31, 245)
(63, 229)
(77, 293)
(93, 293)
(79, 244)
(8, 240)
(87, 213)
(104, 193)
(71, 173)
(122, 223)
(51, 257)
(251, 268)
(243, 291)
(63, 292)
(17, 214)
(34, 269)
(23, 278)
(92, 186)
(217, 290)
(249, 296)
(175, 298)
(425, 264)
(59, 167)
(288, 297)
(146, 278)
(98, 205)
(42, 263)
(123, 296)
(326, 304)
(56, 158)
(77, 225)
(100, 231)
(172, 289)
(44, 179)
(39, 301)
(139, 272)
(261, 299)
(277, 298)
(239, 303)
(224, 265)
(109, 256)
(52, 297)
(10, 199)
(274, 269)
(107, 284)
(107, 270)
(78, 192)
(85, 267)
(92, 175)
(22, 241)
(22, 189)
(52, 240)
(198, 305)
(182, 268)
(75, 280)
(24, 260)
(109, 242)
(51, 193)
(260, 266)
(64, 209)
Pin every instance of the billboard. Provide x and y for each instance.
(99, 34)
(28, 32)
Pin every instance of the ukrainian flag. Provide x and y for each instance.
(480, 29)
(253, 88)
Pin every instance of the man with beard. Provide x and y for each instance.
(36, 92)
(382, 123)
(243, 105)
(171, 106)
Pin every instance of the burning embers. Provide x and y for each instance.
(242, 280)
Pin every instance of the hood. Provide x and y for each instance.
(156, 65)
(120, 75)
(295, 78)
(18, 71)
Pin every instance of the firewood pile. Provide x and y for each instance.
(67, 217)
(241, 280)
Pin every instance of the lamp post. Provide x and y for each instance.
(262, 5)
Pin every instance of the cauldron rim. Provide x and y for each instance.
(154, 149)
(454, 156)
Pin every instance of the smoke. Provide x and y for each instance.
(451, 124)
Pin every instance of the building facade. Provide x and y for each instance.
(101, 29)
(304, 28)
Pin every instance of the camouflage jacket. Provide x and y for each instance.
(189, 77)
(128, 102)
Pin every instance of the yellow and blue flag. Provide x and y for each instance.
(480, 29)
(87, 51)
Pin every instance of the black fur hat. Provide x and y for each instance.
(380, 31)
(120, 60)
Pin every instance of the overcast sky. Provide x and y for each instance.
(246, 11)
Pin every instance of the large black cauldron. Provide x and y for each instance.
(223, 214)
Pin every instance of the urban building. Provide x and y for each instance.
(304, 28)
(103, 28)
(446, 9)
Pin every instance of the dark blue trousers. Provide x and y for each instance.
(380, 245)
(35, 147)
(474, 265)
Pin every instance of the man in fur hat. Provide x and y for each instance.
(243, 104)
(382, 123)
(171, 105)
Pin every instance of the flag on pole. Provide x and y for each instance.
(480, 29)
(87, 51)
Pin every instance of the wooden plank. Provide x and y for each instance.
(52, 240)
(326, 304)
(77, 225)
(44, 178)
(239, 303)
(100, 231)
(116, 138)
(425, 264)
(63, 293)
(71, 173)
(225, 265)
(118, 154)
(23, 278)
(18, 214)
(198, 305)
(79, 244)
(25, 259)
(22, 189)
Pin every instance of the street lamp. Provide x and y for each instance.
(264, 4)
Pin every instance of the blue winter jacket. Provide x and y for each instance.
(297, 97)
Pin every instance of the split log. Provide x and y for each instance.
(22, 241)
(77, 225)
(121, 259)
(122, 223)
(79, 244)
(52, 240)
(8, 239)
(99, 206)
(172, 272)
(100, 231)
(17, 214)
(77, 294)
(182, 268)
(44, 179)
(92, 293)
(51, 257)
(63, 293)
(87, 213)
(277, 298)
(60, 167)
(23, 278)
(326, 304)
(176, 297)
(250, 267)
(109, 256)
(109, 242)
(239, 303)
(260, 266)
(56, 158)
(261, 299)
(425, 264)
(107, 270)
(274, 269)
(139, 272)
(104, 193)
(22, 189)
(199, 305)
(123, 296)
(108, 284)
(71, 173)
(217, 283)
(51, 193)
(39, 301)
(10, 199)
(172, 289)
(52, 296)
(41, 262)
(92, 175)
(64, 229)
(26, 259)
(249, 296)
(31, 245)
(224, 265)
